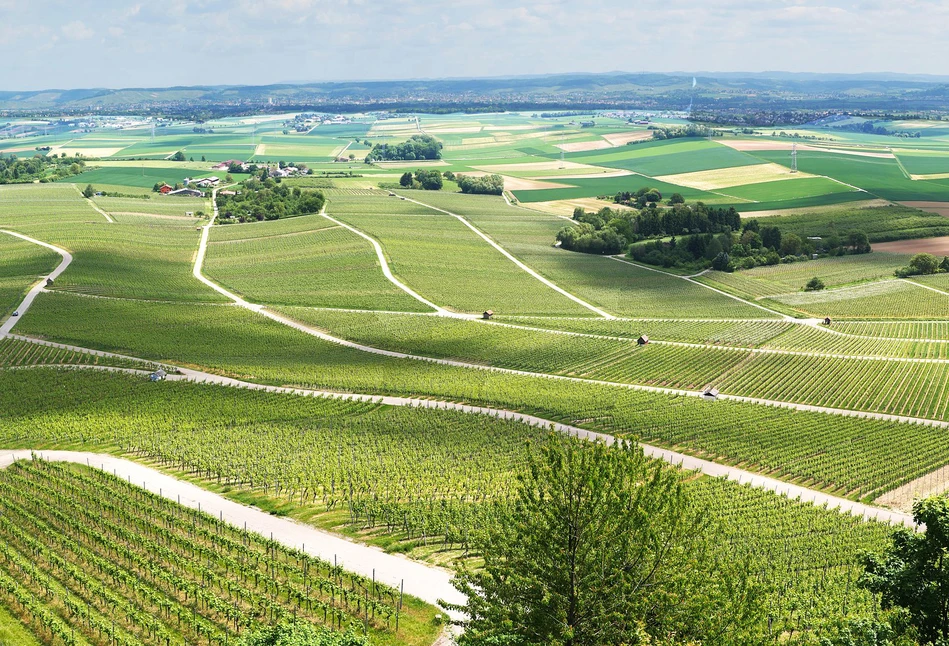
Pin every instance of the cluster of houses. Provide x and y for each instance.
(238, 166)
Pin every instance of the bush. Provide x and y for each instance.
(815, 284)
(924, 264)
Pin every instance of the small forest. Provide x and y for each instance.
(267, 200)
(417, 147)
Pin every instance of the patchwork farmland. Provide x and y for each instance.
(277, 318)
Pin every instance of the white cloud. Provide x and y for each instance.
(353, 39)
(77, 30)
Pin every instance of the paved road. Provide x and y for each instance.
(426, 582)
(38, 287)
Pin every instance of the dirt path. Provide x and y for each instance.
(506, 254)
(426, 582)
(386, 271)
(38, 287)
(94, 205)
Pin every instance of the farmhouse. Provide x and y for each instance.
(225, 165)
(165, 189)
(187, 192)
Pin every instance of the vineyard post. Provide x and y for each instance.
(398, 609)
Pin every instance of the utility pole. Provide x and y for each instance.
(794, 158)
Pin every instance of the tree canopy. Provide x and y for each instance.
(486, 185)
(300, 633)
(268, 200)
(913, 572)
(417, 147)
(602, 546)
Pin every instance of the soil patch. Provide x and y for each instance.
(939, 208)
(584, 146)
(935, 246)
(623, 138)
(750, 146)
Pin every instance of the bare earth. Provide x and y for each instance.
(623, 138)
(523, 184)
(816, 209)
(261, 149)
(749, 146)
(935, 246)
(584, 146)
(902, 498)
(939, 208)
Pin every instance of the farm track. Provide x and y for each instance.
(95, 206)
(695, 282)
(40, 285)
(734, 348)
(686, 462)
(386, 271)
(521, 265)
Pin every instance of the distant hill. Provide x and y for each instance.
(771, 90)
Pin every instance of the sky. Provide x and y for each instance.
(113, 43)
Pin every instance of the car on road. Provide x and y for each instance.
(16, 314)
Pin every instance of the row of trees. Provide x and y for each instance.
(609, 231)
(417, 147)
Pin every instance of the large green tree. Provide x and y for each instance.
(913, 572)
(602, 546)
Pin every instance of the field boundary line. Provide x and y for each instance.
(386, 271)
(40, 285)
(509, 256)
(94, 205)
(695, 282)
(932, 289)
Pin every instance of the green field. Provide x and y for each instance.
(142, 177)
(424, 246)
(303, 261)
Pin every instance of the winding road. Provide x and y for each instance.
(38, 287)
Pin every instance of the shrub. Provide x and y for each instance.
(815, 284)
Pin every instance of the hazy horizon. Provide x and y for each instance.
(212, 42)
